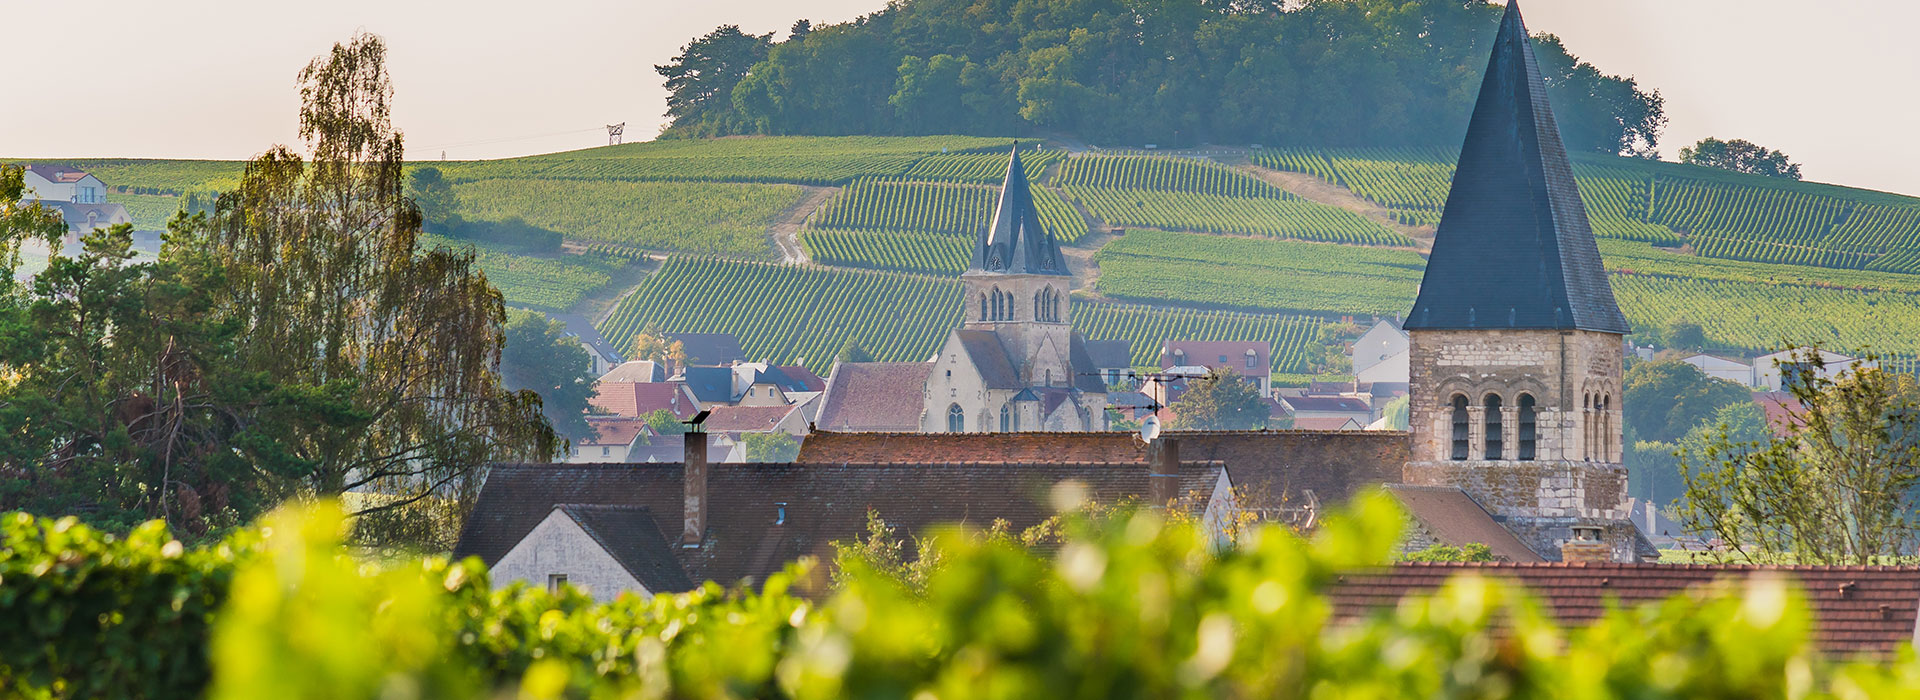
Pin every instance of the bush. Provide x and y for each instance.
(1128, 606)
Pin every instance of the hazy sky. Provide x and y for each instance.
(1835, 84)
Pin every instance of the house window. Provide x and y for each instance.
(1006, 420)
(1251, 357)
(956, 419)
(1494, 450)
(1461, 443)
(606, 451)
(555, 581)
(1529, 432)
(1223, 360)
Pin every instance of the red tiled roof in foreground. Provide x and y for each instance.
(1857, 610)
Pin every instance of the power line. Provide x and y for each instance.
(510, 139)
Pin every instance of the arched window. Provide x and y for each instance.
(1040, 305)
(1606, 428)
(956, 419)
(1586, 427)
(1006, 420)
(1494, 448)
(1529, 432)
(1461, 443)
(983, 309)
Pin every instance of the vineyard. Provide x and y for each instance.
(1209, 213)
(150, 212)
(988, 168)
(549, 283)
(721, 218)
(783, 313)
(1163, 174)
(145, 176)
(1314, 278)
(933, 254)
(929, 207)
(1721, 214)
(1763, 317)
(789, 159)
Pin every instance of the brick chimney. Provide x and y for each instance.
(1163, 471)
(1586, 547)
(694, 482)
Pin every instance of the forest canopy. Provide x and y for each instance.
(1169, 72)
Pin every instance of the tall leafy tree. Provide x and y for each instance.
(400, 345)
(701, 79)
(1663, 400)
(1220, 401)
(1839, 488)
(1740, 156)
(540, 357)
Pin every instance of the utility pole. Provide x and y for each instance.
(614, 132)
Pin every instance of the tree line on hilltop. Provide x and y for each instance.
(1171, 72)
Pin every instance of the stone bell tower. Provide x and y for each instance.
(1017, 286)
(1516, 340)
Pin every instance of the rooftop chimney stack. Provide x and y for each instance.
(1163, 471)
(694, 482)
(1586, 547)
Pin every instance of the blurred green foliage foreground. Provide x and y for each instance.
(1128, 607)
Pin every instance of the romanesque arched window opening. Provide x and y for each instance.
(1529, 431)
(1494, 448)
(1606, 428)
(1006, 420)
(1586, 427)
(956, 419)
(1461, 442)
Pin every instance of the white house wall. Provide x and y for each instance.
(558, 546)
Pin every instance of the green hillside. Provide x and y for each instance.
(1209, 249)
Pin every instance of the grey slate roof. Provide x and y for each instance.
(990, 357)
(1083, 366)
(629, 534)
(1514, 248)
(711, 383)
(1016, 243)
(1110, 354)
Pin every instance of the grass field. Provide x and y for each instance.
(550, 282)
(718, 218)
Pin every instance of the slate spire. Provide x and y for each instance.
(1514, 247)
(1016, 243)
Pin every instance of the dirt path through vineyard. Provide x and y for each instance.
(785, 231)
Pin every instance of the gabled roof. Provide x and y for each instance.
(1016, 243)
(1327, 423)
(758, 373)
(1085, 370)
(803, 378)
(1514, 248)
(636, 371)
(1110, 354)
(1857, 610)
(874, 396)
(613, 432)
(57, 173)
(747, 419)
(711, 348)
(1326, 403)
(581, 327)
(1455, 519)
(990, 358)
(822, 503)
(713, 384)
(635, 399)
(629, 535)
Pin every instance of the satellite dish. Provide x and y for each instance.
(1150, 428)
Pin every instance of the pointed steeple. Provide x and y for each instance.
(1514, 248)
(1016, 243)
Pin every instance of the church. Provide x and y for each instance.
(1015, 363)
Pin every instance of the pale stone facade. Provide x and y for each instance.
(1031, 386)
(559, 547)
(1528, 423)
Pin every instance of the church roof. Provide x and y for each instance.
(1016, 243)
(1514, 247)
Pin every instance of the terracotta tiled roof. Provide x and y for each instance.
(629, 534)
(1781, 410)
(874, 396)
(1455, 519)
(1857, 609)
(746, 536)
(635, 399)
(613, 431)
(746, 419)
(1273, 466)
(1207, 353)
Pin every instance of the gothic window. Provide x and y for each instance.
(956, 419)
(1494, 448)
(1461, 443)
(1040, 306)
(1006, 420)
(1529, 431)
(983, 308)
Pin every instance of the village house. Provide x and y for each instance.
(80, 198)
(1249, 360)
(599, 351)
(614, 440)
(1380, 355)
(637, 399)
(1769, 369)
(1721, 368)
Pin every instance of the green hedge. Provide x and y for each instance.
(1128, 607)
